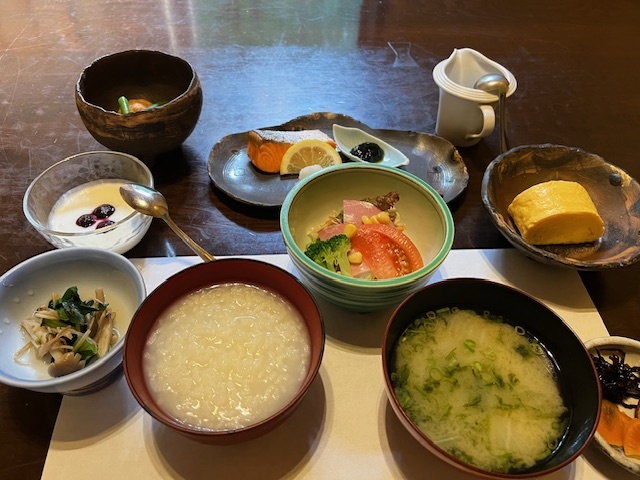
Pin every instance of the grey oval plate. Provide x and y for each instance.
(433, 159)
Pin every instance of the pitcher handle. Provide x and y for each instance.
(488, 122)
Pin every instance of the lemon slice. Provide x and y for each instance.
(308, 152)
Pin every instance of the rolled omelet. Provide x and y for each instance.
(557, 212)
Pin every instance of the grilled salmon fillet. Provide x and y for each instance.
(267, 147)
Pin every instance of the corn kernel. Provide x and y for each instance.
(355, 257)
(383, 218)
(366, 220)
(350, 230)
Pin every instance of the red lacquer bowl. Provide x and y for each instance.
(203, 275)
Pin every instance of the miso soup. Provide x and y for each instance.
(481, 389)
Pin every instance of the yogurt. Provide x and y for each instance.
(82, 200)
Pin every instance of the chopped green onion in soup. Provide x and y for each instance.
(482, 390)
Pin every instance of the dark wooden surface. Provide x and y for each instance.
(262, 63)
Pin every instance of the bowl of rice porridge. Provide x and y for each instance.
(224, 351)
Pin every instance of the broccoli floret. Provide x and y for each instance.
(331, 253)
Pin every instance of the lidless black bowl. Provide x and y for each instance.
(577, 376)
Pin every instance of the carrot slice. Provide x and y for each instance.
(613, 423)
(631, 441)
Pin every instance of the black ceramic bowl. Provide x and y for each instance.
(155, 76)
(576, 375)
(615, 194)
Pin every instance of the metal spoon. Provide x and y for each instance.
(498, 84)
(151, 202)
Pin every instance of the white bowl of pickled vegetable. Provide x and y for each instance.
(63, 318)
(489, 379)
(364, 236)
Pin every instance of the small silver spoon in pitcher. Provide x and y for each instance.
(151, 202)
(498, 84)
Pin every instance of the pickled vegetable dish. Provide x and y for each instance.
(69, 333)
(620, 388)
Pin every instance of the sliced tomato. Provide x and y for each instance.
(386, 250)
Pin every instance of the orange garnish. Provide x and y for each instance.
(613, 423)
(631, 441)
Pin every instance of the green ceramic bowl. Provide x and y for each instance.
(310, 202)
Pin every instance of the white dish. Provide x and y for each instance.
(348, 137)
(30, 284)
(631, 348)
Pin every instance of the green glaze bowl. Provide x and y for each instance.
(310, 202)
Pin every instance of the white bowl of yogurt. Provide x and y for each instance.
(76, 202)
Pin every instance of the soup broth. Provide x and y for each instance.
(480, 389)
(226, 357)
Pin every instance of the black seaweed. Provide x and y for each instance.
(368, 151)
(619, 380)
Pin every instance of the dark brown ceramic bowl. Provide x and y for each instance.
(203, 275)
(155, 76)
(615, 194)
(578, 381)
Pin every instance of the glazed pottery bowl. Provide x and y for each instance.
(162, 79)
(30, 284)
(545, 338)
(57, 197)
(615, 194)
(204, 276)
(312, 201)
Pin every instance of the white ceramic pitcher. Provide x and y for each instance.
(466, 114)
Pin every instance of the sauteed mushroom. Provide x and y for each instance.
(65, 363)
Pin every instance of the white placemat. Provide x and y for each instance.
(343, 429)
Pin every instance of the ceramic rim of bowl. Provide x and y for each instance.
(105, 256)
(44, 228)
(443, 210)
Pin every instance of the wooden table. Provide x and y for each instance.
(262, 63)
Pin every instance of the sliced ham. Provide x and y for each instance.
(354, 210)
(325, 233)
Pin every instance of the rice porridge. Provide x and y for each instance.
(226, 357)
